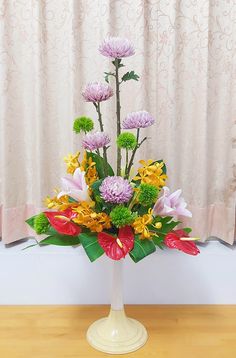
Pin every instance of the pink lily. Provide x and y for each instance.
(171, 204)
(75, 187)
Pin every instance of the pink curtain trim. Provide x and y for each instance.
(215, 220)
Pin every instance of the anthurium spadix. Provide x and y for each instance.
(75, 187)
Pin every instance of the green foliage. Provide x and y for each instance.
(187, 230)
(118, 61)
(41, 224)
(158, 241)
(107, 75)
(100, 164)
(142, 248)
(30, 221)
(130, 76)
(126, 140)
(121, 216)
(83, 124)
(61, 240)
(91, 246)
(167, 225)
(148, 194)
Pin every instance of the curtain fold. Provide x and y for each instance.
(185, 56)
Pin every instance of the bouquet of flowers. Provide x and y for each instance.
(107, 212)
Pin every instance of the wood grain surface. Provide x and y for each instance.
(174, 331)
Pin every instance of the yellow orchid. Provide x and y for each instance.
(151, 172)
(95, 222)
(72, 162)
(140, 225)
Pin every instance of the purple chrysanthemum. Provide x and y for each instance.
(97, 92)
(116, 47)
(93, 141)
(116, 190)
(141, 119)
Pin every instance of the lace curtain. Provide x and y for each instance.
(186, 59)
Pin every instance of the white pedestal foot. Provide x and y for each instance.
(117, 334)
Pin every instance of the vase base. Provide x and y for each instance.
(117, 334)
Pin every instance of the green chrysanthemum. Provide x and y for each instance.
(121, 216)
(126, 140)
(41, 224)
(148, 194)
(83, 124)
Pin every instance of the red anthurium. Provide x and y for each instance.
(117, 247)
(173, 241)
(61, 221)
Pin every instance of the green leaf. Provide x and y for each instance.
(168, 224)
(30, 221)
(100, 164)
(119, 62)
(91, 246)
(107, 75)
(130, 76)
(187, 230)
(142, 248)
(159, 241)
(61, 240)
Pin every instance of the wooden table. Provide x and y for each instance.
(174, 331)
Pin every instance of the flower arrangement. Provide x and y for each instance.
(107, 212)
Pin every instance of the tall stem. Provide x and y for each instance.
(98, 109)
(117, 286)
(118, 107)
(133, 155)
(134, 152)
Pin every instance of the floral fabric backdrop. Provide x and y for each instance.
(186, 57)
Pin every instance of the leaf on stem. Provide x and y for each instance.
(130, 76)
(118, 60)
(107, 75)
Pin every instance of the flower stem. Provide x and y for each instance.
(126, 161)
(134, 152)
(118, 107)
(98, 109)
(132, 156)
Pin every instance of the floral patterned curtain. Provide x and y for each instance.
(186, 58)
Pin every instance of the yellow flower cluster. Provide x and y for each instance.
(151, 172)
(95, 222)
(72, 162)
(59, 204)
(87, 165)
(140, 225)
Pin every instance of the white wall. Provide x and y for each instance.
(53, 275)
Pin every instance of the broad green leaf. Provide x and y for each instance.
(187, 230)
(61, 240)
(159, 241)
(30, 221)
(142, 248)
(130, 76)
(100, 164)
(91, 246)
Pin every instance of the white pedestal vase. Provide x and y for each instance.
(117, 334)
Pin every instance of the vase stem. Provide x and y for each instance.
(117, 286)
